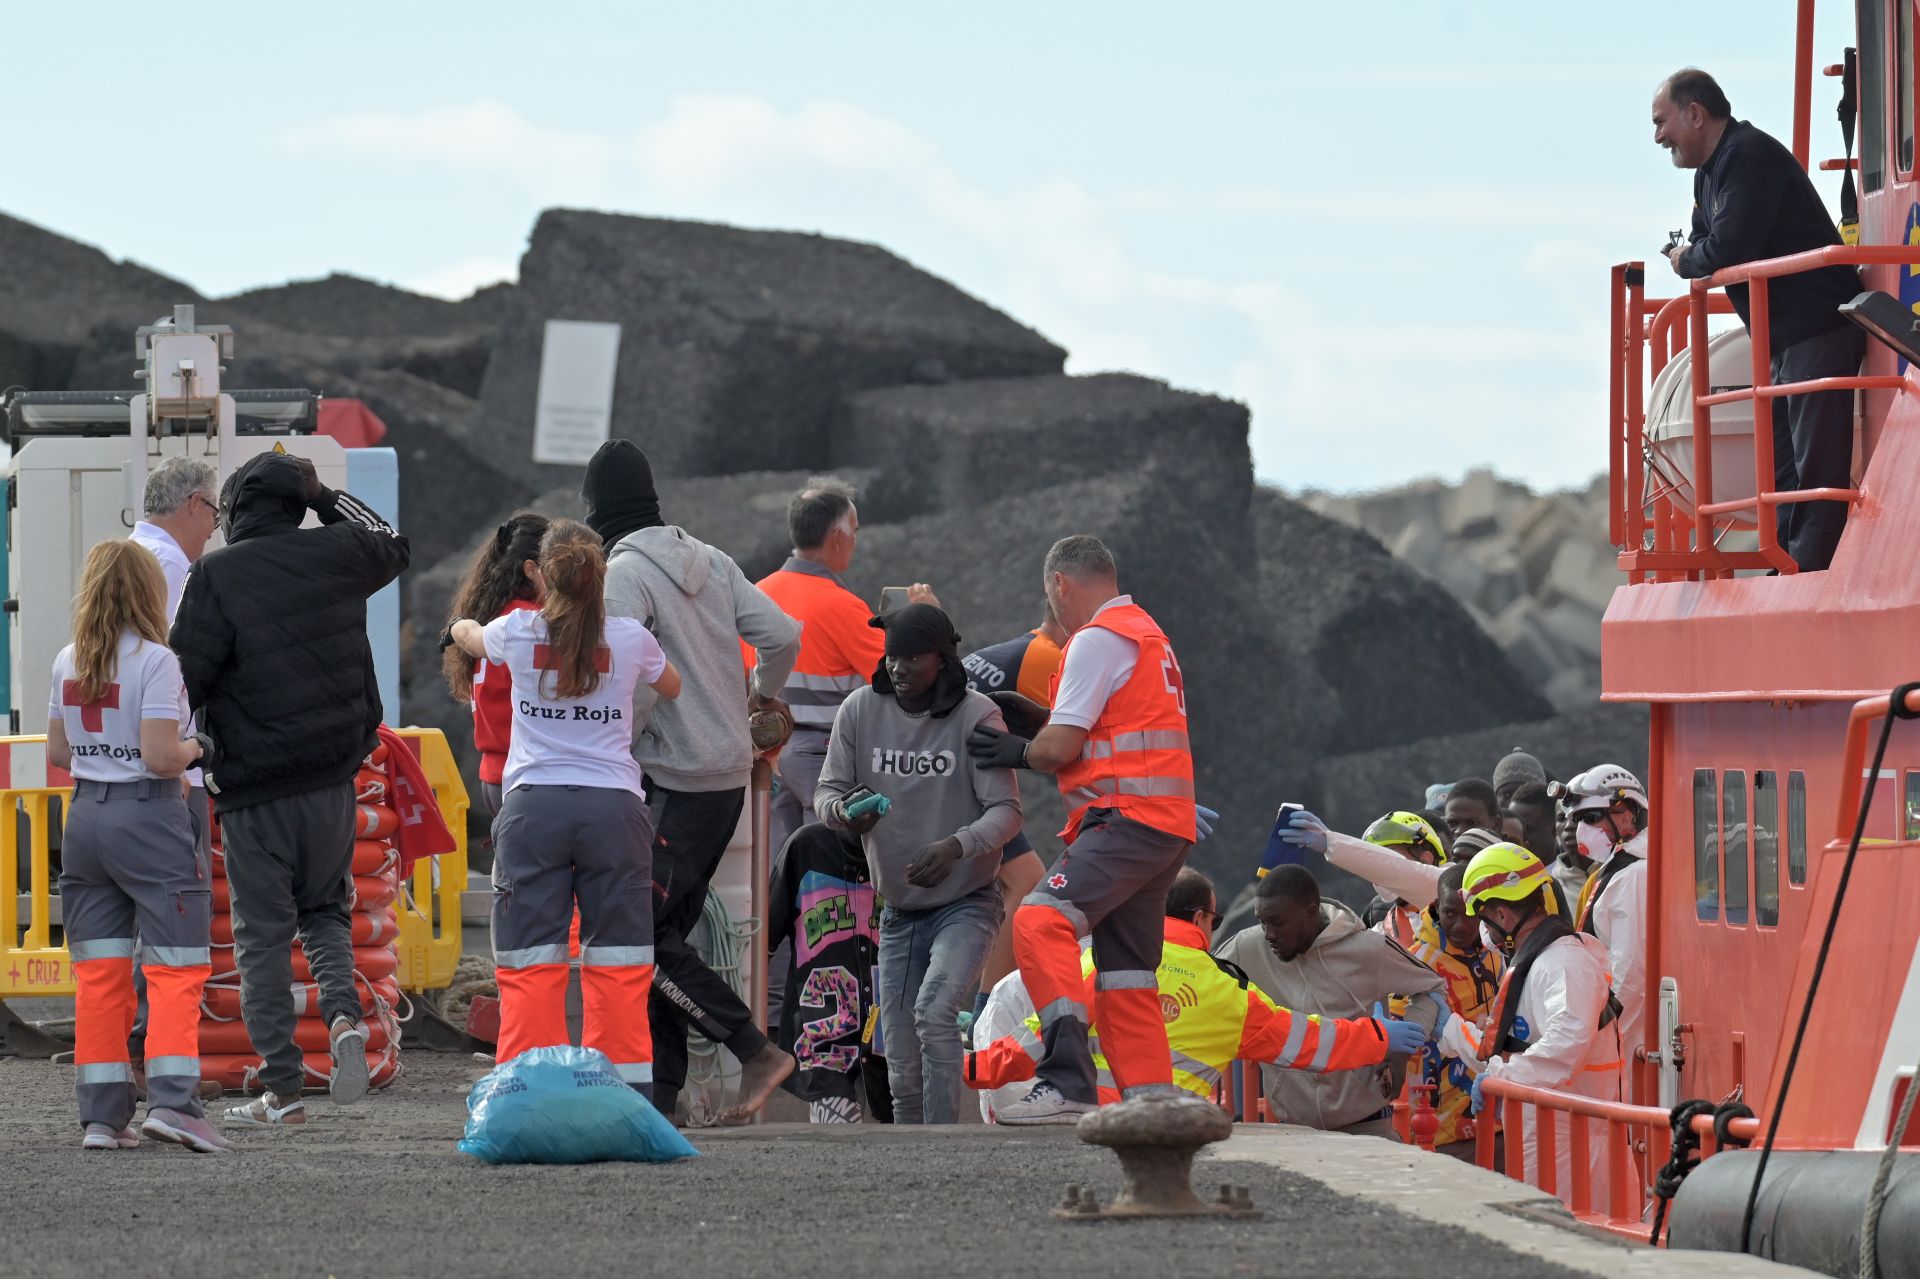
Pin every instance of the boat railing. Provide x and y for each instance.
(1661, 536)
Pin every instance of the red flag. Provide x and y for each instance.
(423, 832)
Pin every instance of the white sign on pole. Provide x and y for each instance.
(574, 414)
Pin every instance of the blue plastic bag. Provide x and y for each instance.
(565, 1105)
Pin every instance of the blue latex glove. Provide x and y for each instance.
(1204, 818)
(1475, 1101)
(1304, 831)
(1281, 851)
(1402, 1036)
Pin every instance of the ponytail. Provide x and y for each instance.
(494, 578)
(575, 607)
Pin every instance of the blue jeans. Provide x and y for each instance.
(929, 962)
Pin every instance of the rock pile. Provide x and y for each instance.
(750, 360)
(1534, 570)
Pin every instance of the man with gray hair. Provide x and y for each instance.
(181, 511)
(1116, 737)
(839, 651)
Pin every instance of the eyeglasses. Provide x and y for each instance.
(1215, 915)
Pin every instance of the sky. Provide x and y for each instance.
(1384, 226)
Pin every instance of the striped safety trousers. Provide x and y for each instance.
(555, 847)
(130, 867)
(1111, 883)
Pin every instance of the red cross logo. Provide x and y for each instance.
(89, 711)
(543, 659)
(1056, 880)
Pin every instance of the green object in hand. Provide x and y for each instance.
(876, 803)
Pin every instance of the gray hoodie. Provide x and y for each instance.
(700, 606)
(1342, 974)
(921, 764)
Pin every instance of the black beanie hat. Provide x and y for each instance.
(923, 628)
(619, 491)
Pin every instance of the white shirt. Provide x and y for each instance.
(174, 566)
(1098, 663)
(173, 561)
(572, 741)
(105, 733)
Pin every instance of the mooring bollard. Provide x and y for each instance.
(1156, 1139)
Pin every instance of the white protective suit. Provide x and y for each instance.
(1006, 1013)
(1619, 919)
(1394, 876)
(1560, 1008)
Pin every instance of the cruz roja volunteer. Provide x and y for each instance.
(573, 827)
(935, 853)
(129, 865)
(1117, 740)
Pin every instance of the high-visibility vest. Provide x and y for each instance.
(838, 650)
(1136, 759)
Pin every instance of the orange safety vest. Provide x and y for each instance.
(838, 650)
(1136, 759)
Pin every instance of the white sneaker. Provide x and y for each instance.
(1044, 1104)
(268, 1111)
(191, 1131)
(107, 1137)
(348, 1082)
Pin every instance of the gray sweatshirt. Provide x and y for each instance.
(1341, 975)
(700, 606)
(921, 764)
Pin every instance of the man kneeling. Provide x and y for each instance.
(1214, 1016)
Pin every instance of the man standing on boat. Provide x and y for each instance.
(1753, 201)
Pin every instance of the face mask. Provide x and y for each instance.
(1488, 937)
(1596, 841)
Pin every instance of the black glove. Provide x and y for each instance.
(446, 636)
(208, 758)
(1024, 715)
(935, 862)
(992, 748)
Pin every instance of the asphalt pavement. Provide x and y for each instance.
(379, 1189)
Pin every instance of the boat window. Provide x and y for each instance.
(1911, 827)
(1733, 844)
(1706, 845)
(1796, 828)
(1903, 81)
(1766, 848)
(1870, 21)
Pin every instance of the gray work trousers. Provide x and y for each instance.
(129, 869)
(290, 866)
(203, 846)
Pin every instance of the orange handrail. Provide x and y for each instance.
(1625, 1189)
(1671, 551)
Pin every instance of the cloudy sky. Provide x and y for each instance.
(1384, 226)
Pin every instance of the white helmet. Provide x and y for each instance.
(1600, 787)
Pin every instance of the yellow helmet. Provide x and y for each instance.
(1397, 830)
(1503, 872)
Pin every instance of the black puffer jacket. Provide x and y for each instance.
(272, 635)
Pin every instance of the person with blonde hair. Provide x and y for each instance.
(129, 864)
(573, 827)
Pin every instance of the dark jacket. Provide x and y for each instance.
(1751, 201)
(272, 635)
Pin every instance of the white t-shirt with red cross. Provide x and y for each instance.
(573, 741)
(105, 731)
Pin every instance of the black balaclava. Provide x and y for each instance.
(619, 491)
(923, 628)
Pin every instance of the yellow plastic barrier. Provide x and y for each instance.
(31, 965)
(429, 910)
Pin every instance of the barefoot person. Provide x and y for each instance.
(695, 752)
